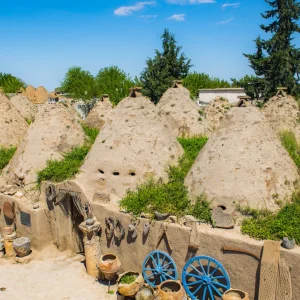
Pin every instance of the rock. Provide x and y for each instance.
(160, 216)
(35, 206)
(221, 219)
(19, 194)
(22, 246)
(288, 244)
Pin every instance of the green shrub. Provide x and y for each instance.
(172, 196)
(128, 278)
(276, 226)
(289, 142)
(60, 170)
(91, 133)
(5, 156)
(201, 210)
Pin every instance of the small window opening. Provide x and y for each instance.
(132, 174)
(222, 206)
(100, 171)
(116, 173)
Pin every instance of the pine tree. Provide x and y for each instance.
(166, 66)
(276, 60)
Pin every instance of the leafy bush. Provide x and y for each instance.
(60, 170)
(289, 142)
(276, 226)
(91, 133)
(172, 196)
(5, 156)
(10, 83)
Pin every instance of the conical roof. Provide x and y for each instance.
(215, 112)
(36, 96)
(134, 145)
(282, 113)
(243, 163)
(12, 125)
(99, 114)
(54, 132)
(26, 108)
(182, 113)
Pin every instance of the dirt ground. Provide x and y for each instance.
(50, 275)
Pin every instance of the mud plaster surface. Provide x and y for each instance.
(51, 275)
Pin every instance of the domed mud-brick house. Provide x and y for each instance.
(26, 108)
(282, 113)
(182, 113)
(100, 113)
(134, 145)
(12, 125)
(54, 132)
(243, 163)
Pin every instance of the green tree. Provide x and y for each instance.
(196, 81)
(276, 60)
(80, 84)
(167, 65)
(10, 83)
(114, 82)
(254, 86)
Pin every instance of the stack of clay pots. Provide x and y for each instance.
(9, 235)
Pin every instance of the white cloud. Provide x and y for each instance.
(148, 16)
(182, 2)
(129, 10)
(224, 22)
(180, 17)
(234, 5)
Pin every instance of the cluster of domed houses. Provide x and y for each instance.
(243, 161)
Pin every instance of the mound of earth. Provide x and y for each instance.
(135, 144)
(12, 125)
(26, 108)
(215, 112)
(243, 163)
(54, 132)
(99, 114)
(282, 113)
(182, 113)
(36, 96)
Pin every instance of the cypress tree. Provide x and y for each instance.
(276, 59)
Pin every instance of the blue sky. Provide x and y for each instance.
(40, 40)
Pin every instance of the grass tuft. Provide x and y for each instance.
(289, 142)
(91, 133)
(5, 156)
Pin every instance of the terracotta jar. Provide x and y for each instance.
(130, 289)
(22, 246)
(145, 293)
(235, 295)
(171, 290)
(109, 264)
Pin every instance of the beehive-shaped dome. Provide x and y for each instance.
(99, 114)
(26, 108)
(36, 96)
(12, 125)
(243, 163)
(54, 132)
(282, 113)
(134, 145)
(182, 113)
(215, 112)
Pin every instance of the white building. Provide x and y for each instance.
(231, 94)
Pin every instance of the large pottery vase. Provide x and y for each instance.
(109, 264)
(235, 295)
(171, 290)
(130, 289)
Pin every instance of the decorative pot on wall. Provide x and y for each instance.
(233, 294)
(130, 289)
(171, 290)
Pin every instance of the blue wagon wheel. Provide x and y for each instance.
(158, 267)
(205, 278)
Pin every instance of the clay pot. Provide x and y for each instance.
(89, 222)
(145, 293)
(235, 295)
(160, 216)
(171, 290)
(8, 230)
(131, 289)
(109, 264)
(22, 246)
